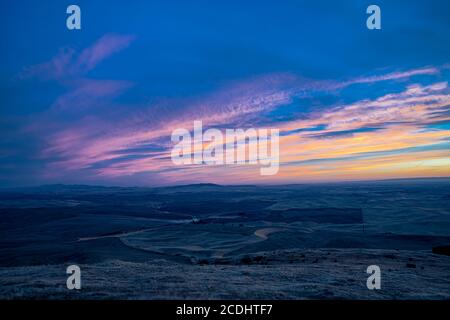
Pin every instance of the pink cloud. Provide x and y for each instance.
(96, 140)
(102, 49)
(394, 76)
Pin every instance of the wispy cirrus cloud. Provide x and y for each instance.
(70, 69)
(394, 76)
(416, 104)
(103, 48)
(87, 93)
(68, 63)
(341, 131)
(85, 144)
(136, 141)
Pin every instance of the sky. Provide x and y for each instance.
(99, 105)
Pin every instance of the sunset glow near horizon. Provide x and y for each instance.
(98, 105)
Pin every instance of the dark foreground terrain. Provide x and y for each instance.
(231, 242)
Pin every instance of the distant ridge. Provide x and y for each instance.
(195, 185)
(80, 187)
(60, 186)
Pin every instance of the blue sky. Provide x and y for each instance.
(162, 61)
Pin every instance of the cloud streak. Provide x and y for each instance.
(70, 64)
